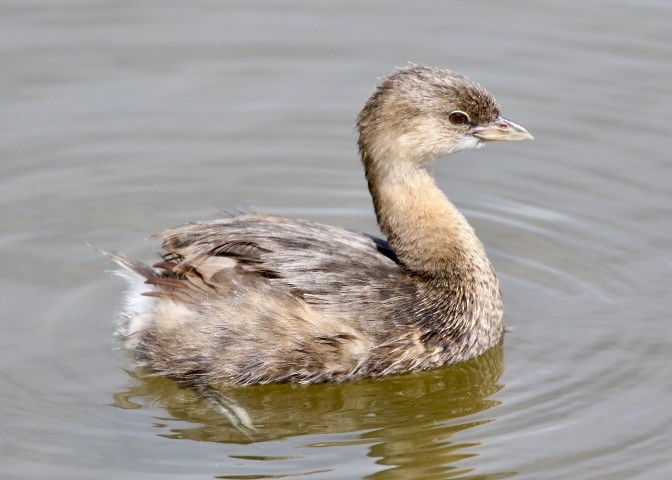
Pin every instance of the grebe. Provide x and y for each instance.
(259, 298)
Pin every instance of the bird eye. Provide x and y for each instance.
(458, 118)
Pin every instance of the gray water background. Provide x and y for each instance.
(120, 119)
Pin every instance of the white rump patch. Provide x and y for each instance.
(136, 307)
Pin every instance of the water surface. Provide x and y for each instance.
(120, 119)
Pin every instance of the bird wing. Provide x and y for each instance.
(307, 257)
(346, 273)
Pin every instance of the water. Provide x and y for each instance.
(120, 119)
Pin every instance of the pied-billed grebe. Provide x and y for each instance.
(259, 298)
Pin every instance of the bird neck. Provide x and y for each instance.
(437, 246)
(427, 233)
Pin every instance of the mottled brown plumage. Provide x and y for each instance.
(258, 298)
